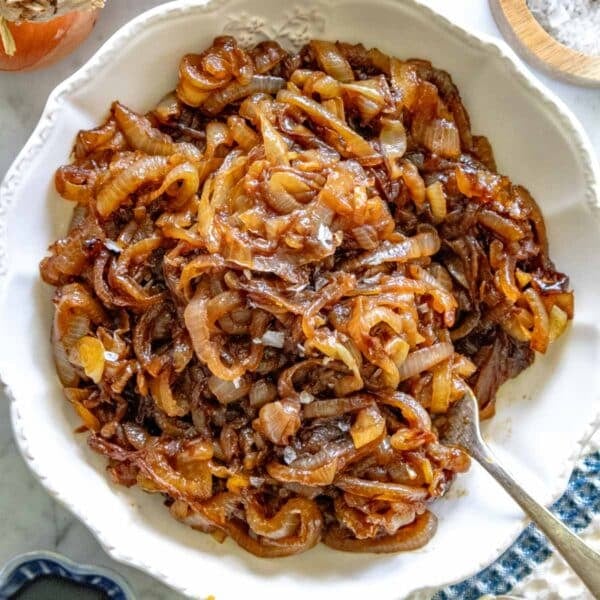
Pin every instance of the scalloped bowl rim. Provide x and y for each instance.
(68, 565)
(161, 13)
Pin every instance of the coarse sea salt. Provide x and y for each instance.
(305, 397)
(574, 23)
(289, 455)
(112, 246)
(324, 235)
(273, 338)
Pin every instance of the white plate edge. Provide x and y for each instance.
(163, 12)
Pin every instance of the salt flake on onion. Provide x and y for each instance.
(273, 338)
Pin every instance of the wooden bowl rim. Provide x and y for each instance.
(539, 45)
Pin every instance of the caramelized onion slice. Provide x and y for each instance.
(393, 492)
(88, 353)
(235, 91)
(331, 60)
(279, 421)
(425, 358)
(228, 391)
(305, 537)
(410, 537)
(351, 143)
(393, 141)
(196, 322)
(117, 191)
(142, 136)
(369, 425)
(320, 409)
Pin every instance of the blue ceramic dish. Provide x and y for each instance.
(23, 570)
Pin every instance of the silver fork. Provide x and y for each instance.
(462, 429)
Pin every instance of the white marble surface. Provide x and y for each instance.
(29, 518)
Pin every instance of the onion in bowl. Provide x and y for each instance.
(29, 45)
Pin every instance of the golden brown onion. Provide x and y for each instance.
(410, 537)
(274, 280)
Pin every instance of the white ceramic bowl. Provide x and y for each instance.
(543, 416)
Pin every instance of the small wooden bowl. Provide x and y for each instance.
(533, 43)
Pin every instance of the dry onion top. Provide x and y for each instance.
(277, 281)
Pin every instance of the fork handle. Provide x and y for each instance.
(580, 557)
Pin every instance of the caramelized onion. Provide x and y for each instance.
(441, 137)
(76, 397)
(118, 189)
(142, 136)
(272, 282)
(351, 143)
(279, 421)
(392, 138)
(321, 475)
(196, 322)
(410, 537)
(369, 425)
(411, 409)
(405, 81)
(200, 74)
(441, 387)
(393, 492)
(320, 409)
(540, 337)
(236, 91)
(437, 201)
(228, 391)
(262, 392)
(500, 225)
(422, 244)
(558, 323)
(305, 537)
(422, 360)
(164, 398)
(331, 60)
(370, 96)
(89, 354)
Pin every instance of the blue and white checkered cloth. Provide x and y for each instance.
(575, 507)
